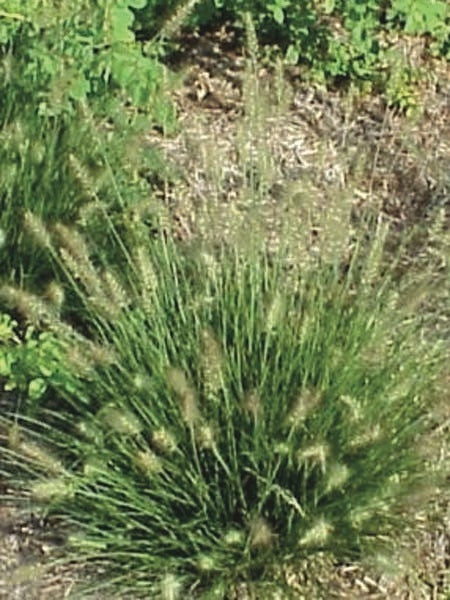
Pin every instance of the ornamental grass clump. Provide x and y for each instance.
(217, 438)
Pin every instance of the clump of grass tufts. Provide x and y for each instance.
(227, 435)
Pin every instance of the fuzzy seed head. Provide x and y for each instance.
(83, 177)
(316, 454)
(318, 534)
(252, 403)
(79, 361)
(211, 362)
(140, 381)
(176, 20)
(147, 277)
(121, 421)
(36, 228)
(115, 290)
(305, 404)
(73, 242)
(205, 437)
(178, 382)
(84, 271)
(50, 490)
(211, 264)
(14, 437)
(337, 477)
(353, 406)
(104, 307)
(206, 563)
(170, 587)
(90, 210)
(164, 441)
(261, 533)
(374, 260)
(148, 462)
(366, 437)
(29, 305)
(54, 294)
(41, 457)
(88, 431)
(234, 537)
(101, 355)
(93, 467)
(358, 516)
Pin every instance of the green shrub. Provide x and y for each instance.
(343, 40)
(73, 52)
(232, 413)
(30, 362)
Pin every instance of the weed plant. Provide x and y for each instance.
(228, 412)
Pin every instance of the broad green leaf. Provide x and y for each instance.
(5, 366)
(292, 55)
(137, 3)
(121, 20)
(36, 388)
(329, 6)
(80, 88)
(278, 14)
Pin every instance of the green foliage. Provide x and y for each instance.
(418, 17)
(66, 54)
(344, 40)
(29, 362)
(230, 416)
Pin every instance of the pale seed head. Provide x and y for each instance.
(41, 456)
(36, 228)
(14, 437)
(305, 404)
(252, 403)
(337, 476)
(178, 382)
(205, 437)
(146, 274)
(261, 534)
(318, 534)
(84, 178)
(79, 361)
(211, 362)
(115, 291)
(54, 294)
(353, 406)
(49, 490)
(316, 454)
(366, 437)
(164, 441)
(93, 467)
(29, 305)
(206, 563)
(171, 587)
(148, 462)
(121, 421)
(234, 537)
